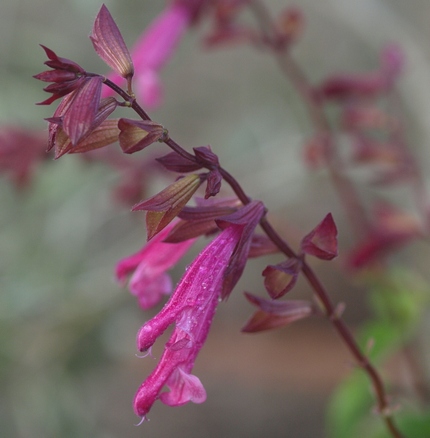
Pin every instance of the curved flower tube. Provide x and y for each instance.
(191, 307)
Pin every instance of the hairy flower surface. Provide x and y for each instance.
(149, 281)
(191, 308)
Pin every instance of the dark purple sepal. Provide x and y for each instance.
(166, 205)
(321, 242)
(79, 118)
(261, 245)
(281, 278)
(176, 163)
(213, 183)
(248, 217)
(205, 156)
(273, 314)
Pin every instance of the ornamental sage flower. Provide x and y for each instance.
(191, 308)
(149, 281)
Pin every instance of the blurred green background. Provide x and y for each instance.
(67, 331)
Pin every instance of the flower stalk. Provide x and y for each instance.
(216, 270)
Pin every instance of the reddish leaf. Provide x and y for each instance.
(321, 242)
(138, 134)
(79, 119)
(261, 245)
(248, 216)
(210, 212)
(66, 76)
(101, 133)
(177, 163)
(186, 230)
(109, 44)
(105, 134)
(205, 156)
(273, 314)
(213, 183)
(280, 279)
(200, 220)
(56, 121)
(165, 206)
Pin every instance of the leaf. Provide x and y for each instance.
(248, 217)
(273, 314)
(105, 134)
(321, 242)
(166, 205)
(138, 134)
(281, 278)
(79, 119)
(379, 338)
(109, 44)
(351, 403)
(176, 163)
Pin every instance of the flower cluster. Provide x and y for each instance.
(81, 124)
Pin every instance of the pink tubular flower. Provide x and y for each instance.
(149, 281)
(154, 48)
(191, 308)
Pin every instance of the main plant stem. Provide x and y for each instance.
(347, 194)
(331, 312)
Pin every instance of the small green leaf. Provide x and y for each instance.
(378, 338)
(351, 403)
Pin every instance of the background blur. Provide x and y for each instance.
(67, 331)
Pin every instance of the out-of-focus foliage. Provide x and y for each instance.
(399, 301)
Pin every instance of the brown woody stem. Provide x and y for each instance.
(346, 192)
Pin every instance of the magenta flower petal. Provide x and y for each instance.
(158, 43)
(149, 281)
(148, 88)
(184, 388)
(191, 307)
